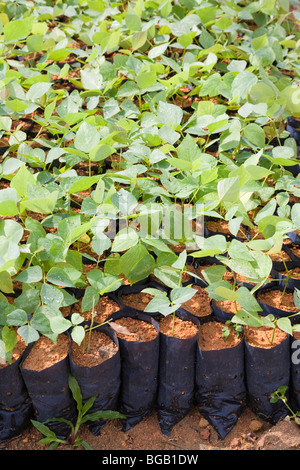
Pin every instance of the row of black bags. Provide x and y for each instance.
(167, 374)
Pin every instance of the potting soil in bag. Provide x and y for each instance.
(15, 405)
(102, 379)
(266, 369)
(48, 386)
(220, 379)
(139, 352)
(176, 371)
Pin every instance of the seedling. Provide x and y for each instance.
(280, 394)
(82, 417)
(168, 305)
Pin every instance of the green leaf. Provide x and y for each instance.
(243, 84)
(44, 205)
(76, 392)
(125, 239)
(247, 318)
(210, 246)
(103, 282)
(157, 51)
(247, 300)
(59, 277)
(285, 325)
(6, 284)
(83, 183)
(137, 263)
(159, 303)
(17, 317)
(28, 333)
(182, 294)
(30, 275)
(146, 80)
(15, 30)
(255, 135)
(51, 296)
(133, 22)
(100, 152)
(90, 299)
(21, 180)
(11, 230)
(43, 429)
(91, 79)
(229, 189)
(9, 338)
(59, 324)
(37, 90)
(124, 201)
(138, 39)
(78, 334)
(86, 137)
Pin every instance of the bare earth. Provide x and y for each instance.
(192, 434)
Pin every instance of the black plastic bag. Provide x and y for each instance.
(139, 372)
(102, 380)
(176, 377)
(51, 396)
(266, 370)
(295, 375)
(220, 386)
(15, 405)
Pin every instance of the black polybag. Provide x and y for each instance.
(139, 372)
(266, 370)
(51, 396)
(176, 377)
(15, 405)
(295, 375)
(220, 386)
(102, 380)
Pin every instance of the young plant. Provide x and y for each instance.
(168, 305)
(252, 318)
(82, 417)
(280, 394)
(100, 284)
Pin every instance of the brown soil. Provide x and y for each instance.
(274, 299)
(294, 273)
(104, 308)
(199, 305)
(132, 329)
(45, 353)
(262, 337)
(211, 337)
(221, 226)
(94, 350)
(278, 256)
(295, 250)
(138, 300)
(228, 306)
(179, 328)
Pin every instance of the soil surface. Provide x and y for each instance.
(275, 299)
(98, 347)
(131, 329)
(200, 304)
